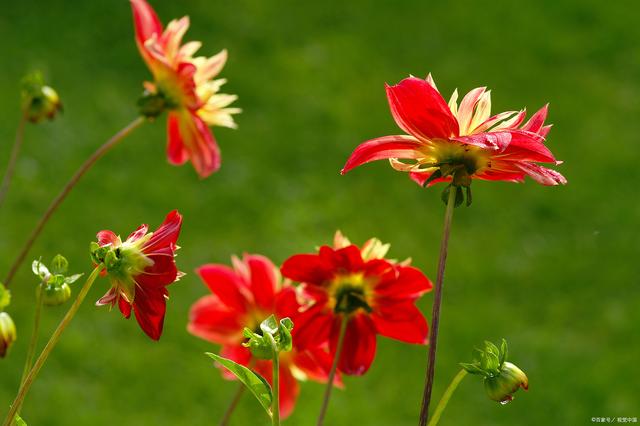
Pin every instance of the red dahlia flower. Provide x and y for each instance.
(140, 268)
(447, 141)
(244, 296)
(185, 84)
(375, 295)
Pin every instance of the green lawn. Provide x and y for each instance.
(553, 270)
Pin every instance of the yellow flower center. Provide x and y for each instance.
(350, 292)
(456, 155)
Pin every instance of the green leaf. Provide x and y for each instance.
(491, 348)
(286, 342)
(18, 421)
(59, 265)
(493, 362)
(473, 369)
(504, 351)
(253, 381)
(270, 325)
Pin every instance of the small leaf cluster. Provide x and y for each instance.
(54, 281)
(490, 360)
(275, 338)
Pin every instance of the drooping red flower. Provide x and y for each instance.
(444, 138)
(186, 84)
(244, 296)
(376, 295)
(140, 269)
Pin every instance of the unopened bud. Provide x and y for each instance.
(38, 100)
(7, 333)
(501, 378)
(502, 387)
(55, 294)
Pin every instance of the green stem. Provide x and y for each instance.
(446, 397)
(437, 302)
(34, 337)
(28, 381)
(232, 406)
(334, 368)
(6, 180)
(89, 162)
(275, 406)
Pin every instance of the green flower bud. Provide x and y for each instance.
(276, 336)
(39, 101)
(502, 387)
(501, 378)
(54, 294)
(7, 333)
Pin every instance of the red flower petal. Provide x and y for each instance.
(420, 110)
(163, 271)
(212, 320)
(166, 235)
(542, 174)
(188, 131)
(125, 307)
(311, 328)
(145, 20)
(536, 121)
(347, 259)
(494, 141)
(401, 320)
(149, 307)
(359, 346)
(138, 233)
(410, 283)
(107, 237)
(316, 364)
(399, 146)
(264, 280)
(226, 284)
(499, 175)
(528, 146)
(287, 304)
(176, 152)
(307, 268)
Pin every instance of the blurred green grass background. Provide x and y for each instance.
(553, 270)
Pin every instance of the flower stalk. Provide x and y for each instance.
(334, 367)
(275, 407)
(86, 166)
(446, 397)
(437, 302)
(53, 340)
(6, 180)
